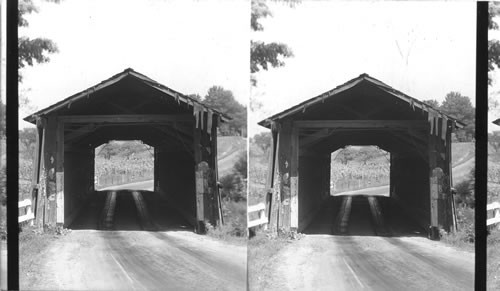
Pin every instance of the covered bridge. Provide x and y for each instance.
(363, 111)
(127, 106)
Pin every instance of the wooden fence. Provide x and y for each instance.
(27, 214)
(260, 209)
(493, 214)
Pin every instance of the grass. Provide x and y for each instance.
(464, 238)
(262, 251)
(234, 227)
(32, 245)
(493, 261)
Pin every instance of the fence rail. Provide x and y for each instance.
(495, 208)
(261, 210)
(28, 214)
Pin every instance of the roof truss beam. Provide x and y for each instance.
(361, 124)
(128, 118)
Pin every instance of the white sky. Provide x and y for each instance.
(188, 46)
(334, 42)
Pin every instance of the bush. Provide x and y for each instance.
(234, 221)
(233, 187)
(465, 235)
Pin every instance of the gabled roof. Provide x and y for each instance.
(351, 84)
(179, 97)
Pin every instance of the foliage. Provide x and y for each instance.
(32, 50)
(493, 44)
(233, 187)
(241, 165)
(263, 140)
(234, 184)
(346, 155)
(264, 54)
(460, 107)
(368, 166)
(126, 149)
(224, 101)
(195, 96)
(27, 137)
(493, 255)
(234, 221)
(464, 237)
(494, 140)
(432, 102)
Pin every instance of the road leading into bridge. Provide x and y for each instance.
(121, 255)
(375, 248)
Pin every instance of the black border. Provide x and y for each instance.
(13, 150)
(12, 147)
(481, 143)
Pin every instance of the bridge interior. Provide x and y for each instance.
(128, 106)
(363, 111)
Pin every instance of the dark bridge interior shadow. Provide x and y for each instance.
(361, 220)
(132, 210)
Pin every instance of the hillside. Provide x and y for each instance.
(229, 149)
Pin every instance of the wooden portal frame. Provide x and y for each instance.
(308, 130)
(189, 127)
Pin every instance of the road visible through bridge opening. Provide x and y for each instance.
(360, 203)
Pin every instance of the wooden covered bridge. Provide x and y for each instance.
(127, 106)
(363, 111)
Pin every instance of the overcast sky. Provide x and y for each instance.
(424, 49)
(188, 46)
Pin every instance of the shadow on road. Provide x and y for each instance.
(130, 210)
(363, 215)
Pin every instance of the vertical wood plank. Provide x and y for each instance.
(294, 179)
(433, 188)
(199, 176)
(50, 172)
(218, 199)
(284, 168)
(275, 197)
(60, 173)
(41, 182)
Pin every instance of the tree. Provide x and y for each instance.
(493, 44)
(195, 96)
(32, 50)
(346, 155)
(264, 54)
(27, 137)
(460, 108)
(224, 101)
(494, 140)
(432, 102)
(263, 140)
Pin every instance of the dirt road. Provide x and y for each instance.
(360, 258)
(373, 263)
(129, 258)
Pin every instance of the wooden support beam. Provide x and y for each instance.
(199, 179)
(433, 188)
(50, 156)
(60, 173)
(284, 174)
(81, 131)
(361, 124)
(128, 118)
(294, 179)
(317, 136)
(41, 183)
(275, 196)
